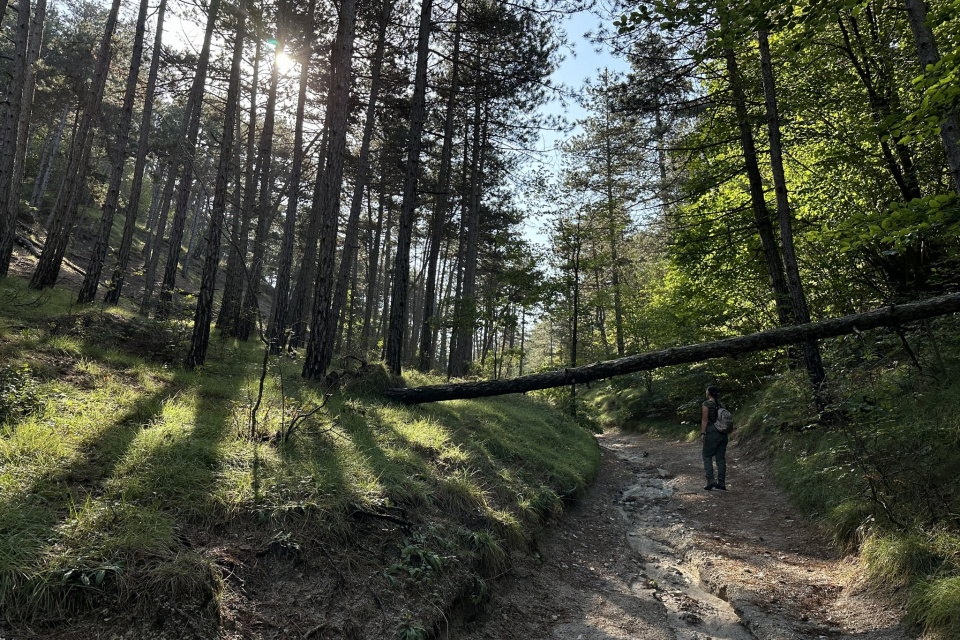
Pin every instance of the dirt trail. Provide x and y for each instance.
(649, 554)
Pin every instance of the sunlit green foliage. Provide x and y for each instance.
(97, 486)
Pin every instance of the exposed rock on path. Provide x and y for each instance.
(649, 554)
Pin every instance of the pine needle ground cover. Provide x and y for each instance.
(131, 486)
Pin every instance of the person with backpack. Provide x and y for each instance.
(715, 425)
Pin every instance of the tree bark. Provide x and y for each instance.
(613, 230)
(9, 136)
(91, 279)
(401, 275)
(35, 44)
(158, 185)
(152, 260)
(768, 242)
(465, 315)
(892, 316)
(46, 167)
(329, 187)
(197, 354)
(65, 210)
(811, 351)
(191, 133)
(373, 263)
(276, 328)
(139, 167)
(200, 201)
(250, 314)
(428, 330)
(450, 276)
(301, 301)
(455, 365)
(929, 54)
(348, 255)
(231, 305)
(385, 279)
(575, 315)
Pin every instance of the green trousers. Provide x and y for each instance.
(715, 446)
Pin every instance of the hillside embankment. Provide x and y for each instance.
(142, 500)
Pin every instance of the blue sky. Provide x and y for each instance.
(579, 65)
(581, 62)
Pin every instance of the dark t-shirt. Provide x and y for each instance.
(711, 406)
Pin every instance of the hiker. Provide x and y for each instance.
(714, 442)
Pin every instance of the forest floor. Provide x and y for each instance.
(649, 554)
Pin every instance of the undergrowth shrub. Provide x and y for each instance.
(656, 400)
(19, 393)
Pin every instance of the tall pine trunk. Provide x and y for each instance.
(152, 257)
(350, 243)
(461, 345)
(46, 166)
(250, 314)
(185, 186)
(91, 279)
(613, 237)
(811, 351)
(373, 258)
(23, 132)
(301, 300)
(401, 275)
(197, 354)
(139, 167)
(428, 330)
(230, 307)
(65, 210)
(9, 136)
(329, 185)
(276, 328)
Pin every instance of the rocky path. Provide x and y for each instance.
(649, 554)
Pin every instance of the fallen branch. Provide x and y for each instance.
(892, 316)
(362, 513)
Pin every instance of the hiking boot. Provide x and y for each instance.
(721, 486)
(711, 486)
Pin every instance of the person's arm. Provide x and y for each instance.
(705, 415)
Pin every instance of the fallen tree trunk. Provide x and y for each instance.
(886, 317)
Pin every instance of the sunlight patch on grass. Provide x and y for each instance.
(127, 453)
(461, 490)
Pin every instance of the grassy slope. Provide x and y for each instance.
(103, 490)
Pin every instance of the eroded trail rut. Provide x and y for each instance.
(649, 554)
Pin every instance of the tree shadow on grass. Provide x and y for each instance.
(36, 518)
(522, 435)
(75, 534)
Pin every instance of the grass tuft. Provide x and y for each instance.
(491, 552)
(896, 560)
(936, 606)
(188, 576)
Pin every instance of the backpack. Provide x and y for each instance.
(724, 422)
